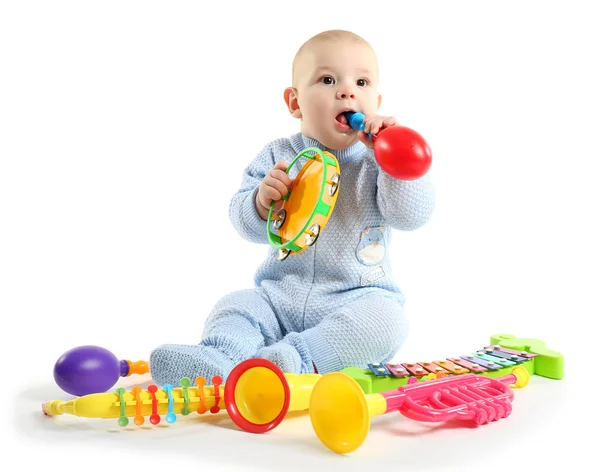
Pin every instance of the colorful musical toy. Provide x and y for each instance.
(497, 359)
(400, 151)
(258, 396)
(92, 369)
(306, 208)
(340, 412)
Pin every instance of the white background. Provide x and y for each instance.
(125, 128)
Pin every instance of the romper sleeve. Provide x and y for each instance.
(242, 208)
(405, 204)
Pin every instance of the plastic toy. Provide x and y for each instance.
(496, 359)
(92, 369)
(400, 151)
(341, 413)
(306, 208)
(258, 396)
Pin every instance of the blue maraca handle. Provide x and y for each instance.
(356, 120)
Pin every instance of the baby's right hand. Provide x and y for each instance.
(274, 186)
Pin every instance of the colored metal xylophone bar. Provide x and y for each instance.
(496, 359)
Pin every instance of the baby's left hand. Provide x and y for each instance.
(373, 124)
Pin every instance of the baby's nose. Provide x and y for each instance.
(344, 94)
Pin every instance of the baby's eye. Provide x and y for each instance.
(361, 82)
(327, 80)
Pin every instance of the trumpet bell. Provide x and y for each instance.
(257, 395)
(340, 412)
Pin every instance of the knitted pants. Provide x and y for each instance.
(244, 324)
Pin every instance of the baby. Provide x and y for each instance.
(335, 304)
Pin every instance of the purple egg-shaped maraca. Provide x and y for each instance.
(86, 369)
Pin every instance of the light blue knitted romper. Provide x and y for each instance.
(331, 306)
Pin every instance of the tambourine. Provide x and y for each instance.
(306, 208)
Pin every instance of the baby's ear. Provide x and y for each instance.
(290, 95)
(379, 97)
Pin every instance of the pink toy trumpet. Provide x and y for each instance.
(341, 412)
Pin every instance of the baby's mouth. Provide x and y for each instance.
(341, 118)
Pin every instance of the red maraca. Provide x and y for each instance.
(400, 151)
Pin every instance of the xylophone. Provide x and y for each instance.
(497, 359)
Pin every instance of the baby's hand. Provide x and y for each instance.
(374, 123)
(274, 186)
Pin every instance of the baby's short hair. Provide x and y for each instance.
(329, 35)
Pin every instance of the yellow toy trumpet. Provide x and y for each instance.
(257, 397)
(341, 412)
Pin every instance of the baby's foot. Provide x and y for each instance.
(169, 363)
(284, 356)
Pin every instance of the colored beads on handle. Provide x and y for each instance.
(185, 383)
(123, 420)
(171, 418)
(200, 383)
(217, 381)
(139, 418)
(155, 417)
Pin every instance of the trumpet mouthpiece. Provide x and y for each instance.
(53, 407)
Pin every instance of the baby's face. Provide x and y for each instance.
(333, 77)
